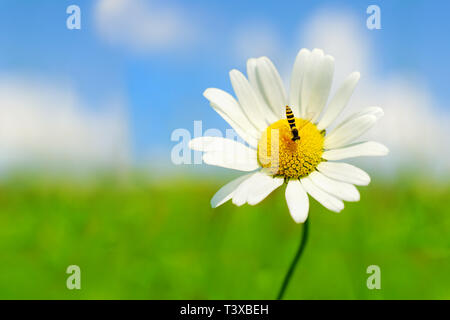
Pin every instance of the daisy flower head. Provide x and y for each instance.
(288, 136)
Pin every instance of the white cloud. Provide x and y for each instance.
(256, 39)
(144, 26)
(45, 124)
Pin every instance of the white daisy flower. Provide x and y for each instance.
(288, 137)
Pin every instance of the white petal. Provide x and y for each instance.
(226, 153)
(348, 132)
(241, 193)
(265, 78)
(339, 100)
(324, 198)
(369, 148)
(257, 187)
(341, 190)
(309, 80)
(297, 201)
(297, 77)
(229, 109)
(344, 172)
(320, 89)
(377, 112)
(263, 189)
(256, 110)
(207, 144)
(374, 111)
(226, 192)
(224, 160)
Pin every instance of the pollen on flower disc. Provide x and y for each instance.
(281, 156)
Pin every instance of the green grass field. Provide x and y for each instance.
(138, 239)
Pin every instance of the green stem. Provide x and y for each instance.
(294, 262)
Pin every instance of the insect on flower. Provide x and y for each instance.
(291, 120)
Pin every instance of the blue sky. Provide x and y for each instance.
(162, 86)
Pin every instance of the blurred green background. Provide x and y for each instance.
(141, 238)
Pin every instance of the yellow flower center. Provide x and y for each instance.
(282, 156)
